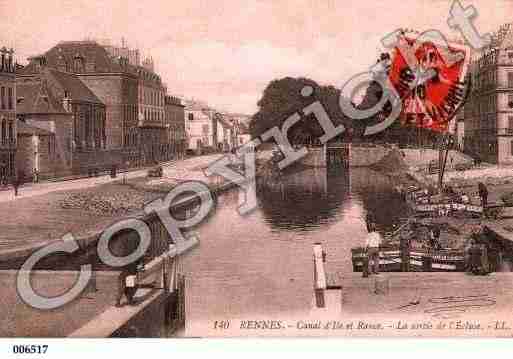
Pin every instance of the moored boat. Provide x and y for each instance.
(391, 259)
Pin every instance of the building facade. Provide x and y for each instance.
(488, 112)
(153, 133)
(111, 79)
(224, 132)
(64, 124)
(200, 126)
(7, 115)
(175, 124)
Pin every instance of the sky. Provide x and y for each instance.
(225, 52)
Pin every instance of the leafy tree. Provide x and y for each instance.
(282, 98)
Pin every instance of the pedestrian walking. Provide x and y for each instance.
(15, 185)
(483, 194)
(35, 176)
(372, 244)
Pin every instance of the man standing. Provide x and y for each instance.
(374, 240)
(483, 193)
(405, 247)
(35, 177)
(15, 185)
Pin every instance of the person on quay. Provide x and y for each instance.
(483, 194)
(35, 176)
(405, 248)
(374, 240)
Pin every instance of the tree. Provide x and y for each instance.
(283, 97)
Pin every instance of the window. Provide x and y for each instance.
(510, 79)
(9, 100)
(2, 96)
(510, 100)
(49, 144)
(4, 131)
(205, 129)
(191, 117)
(11, 132)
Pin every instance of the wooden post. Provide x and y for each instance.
(319, 276)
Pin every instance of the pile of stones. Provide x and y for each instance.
(111, 204)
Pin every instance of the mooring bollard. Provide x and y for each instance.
(319, 276)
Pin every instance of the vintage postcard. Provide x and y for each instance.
(283, 168)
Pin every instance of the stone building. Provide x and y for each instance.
(225, 132)
(111, 79)
(63, 124)
(175, 124)
(154, 145)
(488, 112)
(7, 114)
(240, 128)
(200, 126)
(37, 151)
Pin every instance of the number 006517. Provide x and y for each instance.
(29, 349)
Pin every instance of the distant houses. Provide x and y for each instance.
(209, 130)
(86, 106)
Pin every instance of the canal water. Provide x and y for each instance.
(260, 266)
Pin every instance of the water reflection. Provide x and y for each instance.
(377, 196)
(260, 265)
(305, 200)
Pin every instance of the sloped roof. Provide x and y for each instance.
(71, 83)
(90, 51)
(25, 129)
(34, 93)
(34, 97)
(194, 105)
